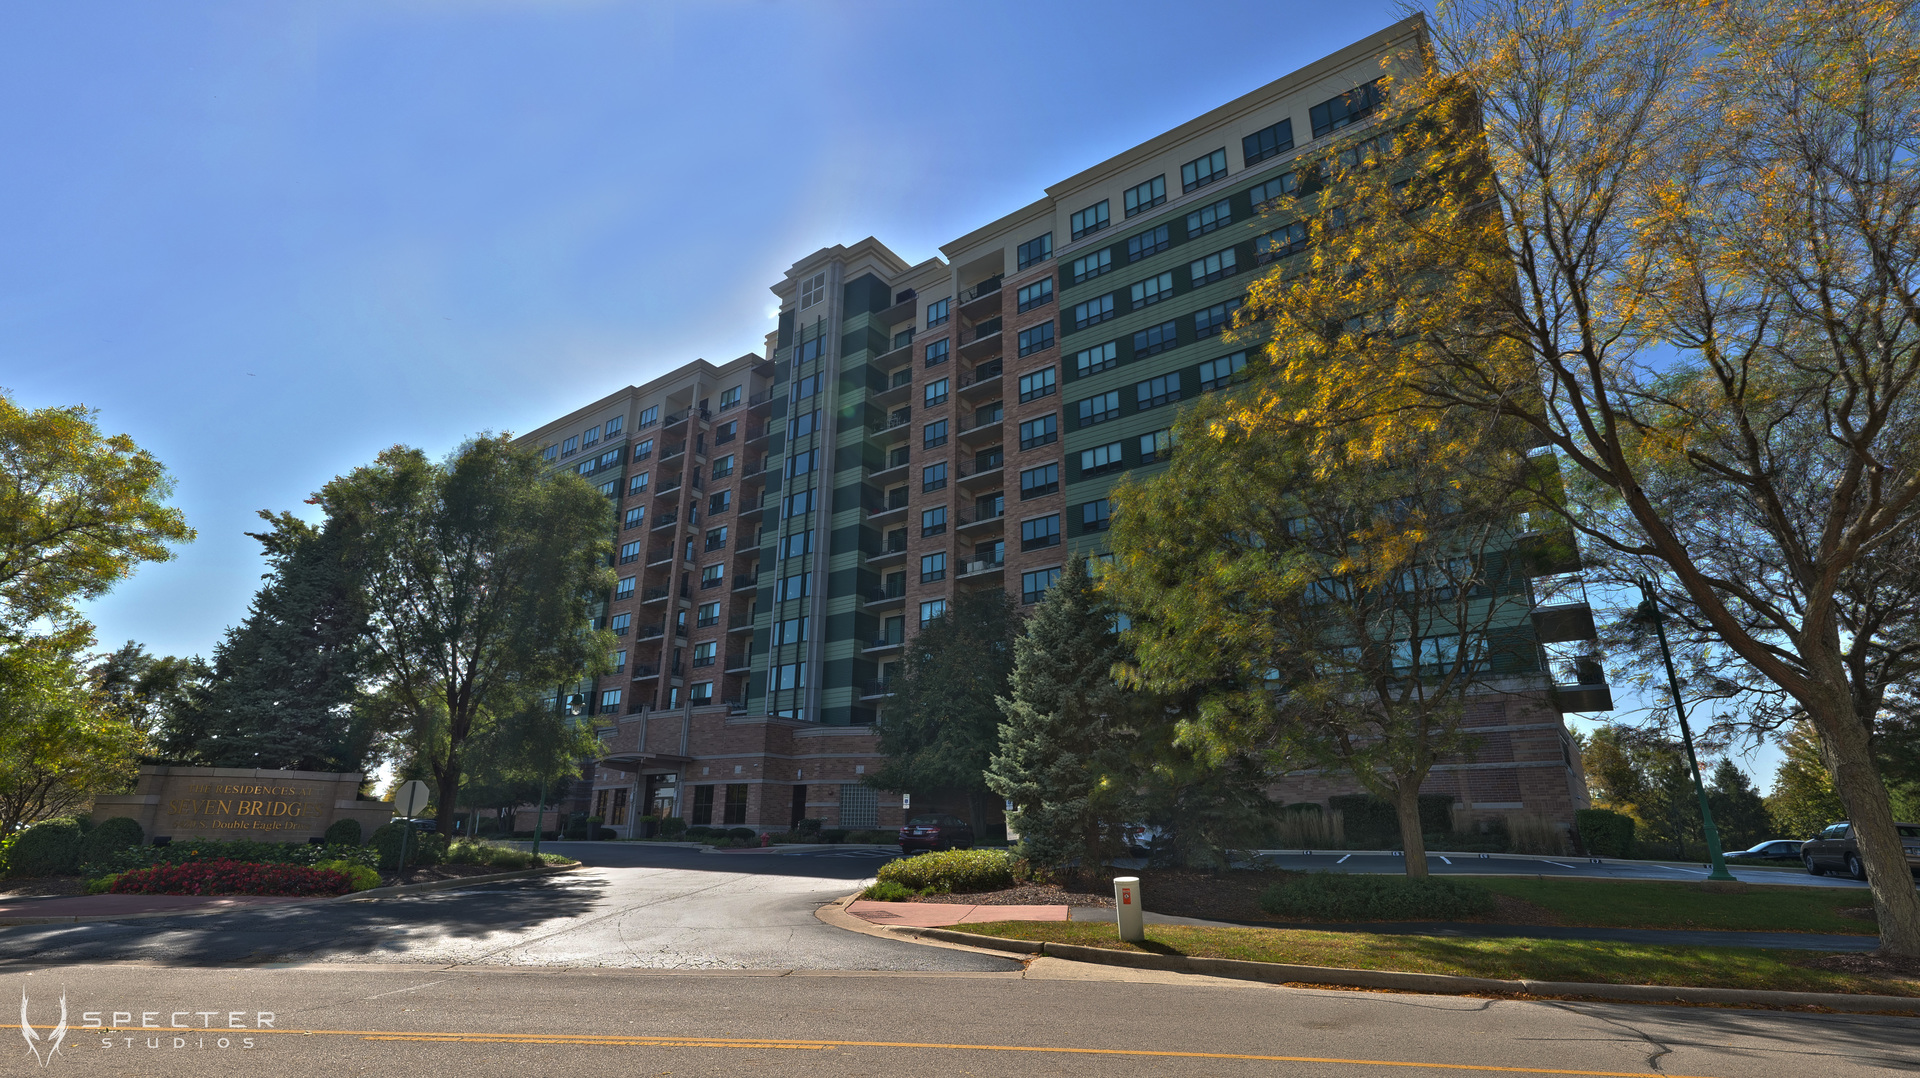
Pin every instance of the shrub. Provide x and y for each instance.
(48, 848)
(808, 829)
(1527, 833)
(888, 891)
(1335, 896)
(741, 832)
(421, 850)
(953, 870)
(190, 850)
(834, 834)
(505, 858)
(101, 885)
(696, 833)
(672, 828)
(1372, 822)
(230, 878)
(345, 833)
(1605, 833)
(109, 835)
(359, 877)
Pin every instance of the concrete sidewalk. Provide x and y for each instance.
(68, 908)
(942, 914)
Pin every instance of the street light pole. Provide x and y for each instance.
(1715, 859)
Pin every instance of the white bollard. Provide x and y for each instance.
(1126, 909)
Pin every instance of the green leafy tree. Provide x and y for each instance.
(1738, 809)
(59, 746)
(147, 691)
(476, 575)
(943, 723)
(1063, 748)
(78, 511)
(1802, 800)
(285, 686)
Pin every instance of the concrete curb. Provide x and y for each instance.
(835, 913)
(357, 896)
(1429, 983)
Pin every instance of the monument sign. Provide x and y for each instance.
(242, 803)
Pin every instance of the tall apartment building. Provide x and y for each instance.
(918, 430)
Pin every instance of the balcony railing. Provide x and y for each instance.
(742, 583)
(738, 662)
(654, 595)
(887, 595)
(985, 288)
(648, 632)
(988, 328)
(879, 642)
(981, 565)
(665, 520)
(643, 671)
(984, 372)
(765, 396)
(876, 688)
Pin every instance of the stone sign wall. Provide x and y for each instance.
(242, 803)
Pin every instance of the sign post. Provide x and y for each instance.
(1126, 909)
(410, 798)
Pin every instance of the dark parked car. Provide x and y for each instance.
(1834, 849)
(938, 832)
(1779, 849)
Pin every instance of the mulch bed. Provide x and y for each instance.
(1027, 894)
(1882, 965)
(43, 887)
(436, 873)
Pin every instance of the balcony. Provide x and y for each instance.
(649, 632)
(683, 414)
(665, 520)
(744, 627)
(984, 378)
(659, 557)
(982, 475)
(668, 453)
(980, 519)
(896, 503)
(905, 307)
(884, 643)
(758, 435)
(894, 470)
(897, 391)
(645, 671)
(654, 595)
(874, 690)
(893, 550)
(983, 425)
(895, 356)
(747, 582)
(894, 596)
(1564, 623)
(751, 510)
(984, 343)
(739, 664)
(736, 705)
(761, 401)
(1589, 691)
(670, 486)
(973, 567)
(980, 299)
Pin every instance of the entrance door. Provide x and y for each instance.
(799, 805)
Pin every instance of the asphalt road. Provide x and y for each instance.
(1467, 864)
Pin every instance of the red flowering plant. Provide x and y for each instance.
(230, 878)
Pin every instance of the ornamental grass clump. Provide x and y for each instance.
(1333, 896)
(230, 878)
(963, 871)
(466, 852)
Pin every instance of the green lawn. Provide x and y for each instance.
(1658, 904)
(1506, 959)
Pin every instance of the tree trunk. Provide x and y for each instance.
(1856, 779)
(1406, 803)
(448, 782)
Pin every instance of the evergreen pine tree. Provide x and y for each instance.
(285, 681)
(1062, 753)
(1738, 810)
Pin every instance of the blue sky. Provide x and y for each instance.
(269, 240)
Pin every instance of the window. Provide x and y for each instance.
(624, 589)
(1092, 312)
(1036, 250)
(1156, 339)
(702, 693)
(1096, 515)
(1156, 447)
(1041, 431)
(1090, 266)
(630, 553)
(807, 351)
(643, 450)
(1041, 481)
(1155, 392)
(1267, 142)
(703, 653)
(938, 312)
(1034, 585)
(806, 387)
(1035, 294)
(1215, 318)
(1143, 197)
(1036, 338)
(736, 810)
(1151, 242)
(620, 624)
(1096, 359)
(610, 701)
(1202, 171)
(1036, 385)
(720, 503)
(935, 434)
(1281, 242)
(610, 458)
(649, 416)
(794, 505)
(610, 488)
(590, 436)
(729, 398)
(1217, 373)
(570, 446)
(712, 575)
(1040, 532)
(802, 463)
(933, 567)
(1152, 290)
(1104, 458)
(709, 614)
(1213, 267)
(937, 352)
(636, 516)
(934, 608)
(614, 425)
(933, 521)
(717, 538)
(1099, 409)
(1351, 107)
(797, 545)
(813, 290)
(903, 338)
(803, 424)
(702, 806)
(585, 467)
(723, 466)
(1091, 219)
(936, 392)
(933, 477)
(551, 452)
(1207, 218)
(637, 484)
(796, 586)
(619, 660)
(790, 631)
(1367, 152)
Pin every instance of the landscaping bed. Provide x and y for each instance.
(1026, 894)
(1504, 959)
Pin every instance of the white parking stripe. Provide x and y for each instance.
(1343, 860)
